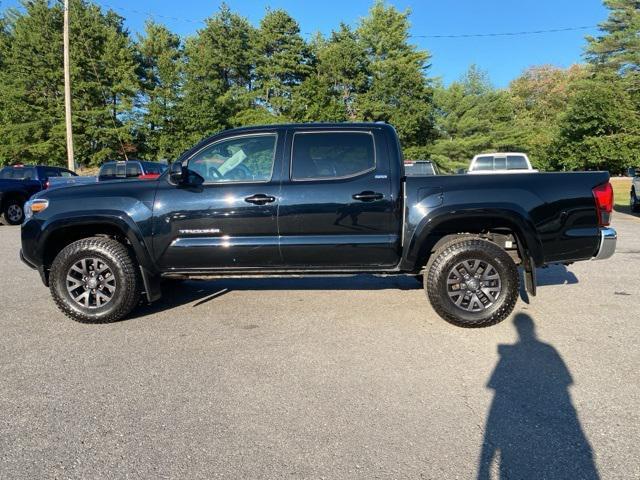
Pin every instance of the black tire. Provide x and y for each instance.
(13, 211)
(634, 202)
(122, 271)
(450, 256)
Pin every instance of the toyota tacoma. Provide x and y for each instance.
(314, 199)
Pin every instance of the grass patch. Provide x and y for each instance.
(621, 189)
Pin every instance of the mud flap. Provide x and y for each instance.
(530, 276)
(151, 285)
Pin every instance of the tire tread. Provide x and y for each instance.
(121, 255)
(437, 299)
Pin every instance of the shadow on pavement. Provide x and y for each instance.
(555, 275)
(626, 209)
(532, 429)
(200, 292)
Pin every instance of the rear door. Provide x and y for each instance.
(336, 209)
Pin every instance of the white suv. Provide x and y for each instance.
(511, 162)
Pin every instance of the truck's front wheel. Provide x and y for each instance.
(95, 280)
(472, 283)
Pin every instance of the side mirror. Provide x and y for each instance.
(176, 172)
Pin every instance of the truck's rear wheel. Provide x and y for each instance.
(13, 211)
(472, 283)
(95, 280)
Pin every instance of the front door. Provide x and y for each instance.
(337, 210)
(228, 218)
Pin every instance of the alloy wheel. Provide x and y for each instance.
(91, 283)
(473, 285)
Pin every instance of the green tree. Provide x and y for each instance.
(619, 47)
(600, 128)
(399, 91)
(104, 84)
(218, 75)
(540, 95)
(160, 69)
(472, 117)
(282, 62)
(31, 85)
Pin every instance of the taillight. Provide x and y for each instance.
(603, 195)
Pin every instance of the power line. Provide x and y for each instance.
(461, 35)
(509, 34)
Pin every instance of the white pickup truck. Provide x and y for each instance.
(511, 162)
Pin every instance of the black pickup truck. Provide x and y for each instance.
(19, 182)
(312, 199)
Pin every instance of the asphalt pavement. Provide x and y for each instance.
(325, 378)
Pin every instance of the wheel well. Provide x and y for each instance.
(66, 236)
(505, 235)
(12, 196)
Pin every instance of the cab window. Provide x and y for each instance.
(241, 159)
(328, 155)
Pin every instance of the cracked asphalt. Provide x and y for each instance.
(325, 378)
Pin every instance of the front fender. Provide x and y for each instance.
(108, 218)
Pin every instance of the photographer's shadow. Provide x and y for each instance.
(533, 430)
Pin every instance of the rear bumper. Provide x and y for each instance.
(608, 240)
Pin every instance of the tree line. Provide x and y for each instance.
(155, 94)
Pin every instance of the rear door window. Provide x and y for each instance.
(332, 155)
(51, 172)
(484, 163)
(499, 163)
(108, 170)
(516, 162)
(133, 169)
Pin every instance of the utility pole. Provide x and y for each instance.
(67, 89)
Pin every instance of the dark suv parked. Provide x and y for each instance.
(19, 182)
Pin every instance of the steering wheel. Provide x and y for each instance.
(214, 172)
(242, 172)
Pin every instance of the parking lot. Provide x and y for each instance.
(325, 378)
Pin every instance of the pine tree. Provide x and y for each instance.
(344, 66)
(31, 99)
(160, 69)
(282, 62)
(217, 75)
(399, 91)
(472, 117)
(619, 48)
(104, 84)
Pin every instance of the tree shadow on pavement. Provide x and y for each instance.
(533, 430)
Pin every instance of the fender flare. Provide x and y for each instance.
(442, 221)
(121, 223)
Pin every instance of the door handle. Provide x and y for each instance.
(368, 196)
(260, 199)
